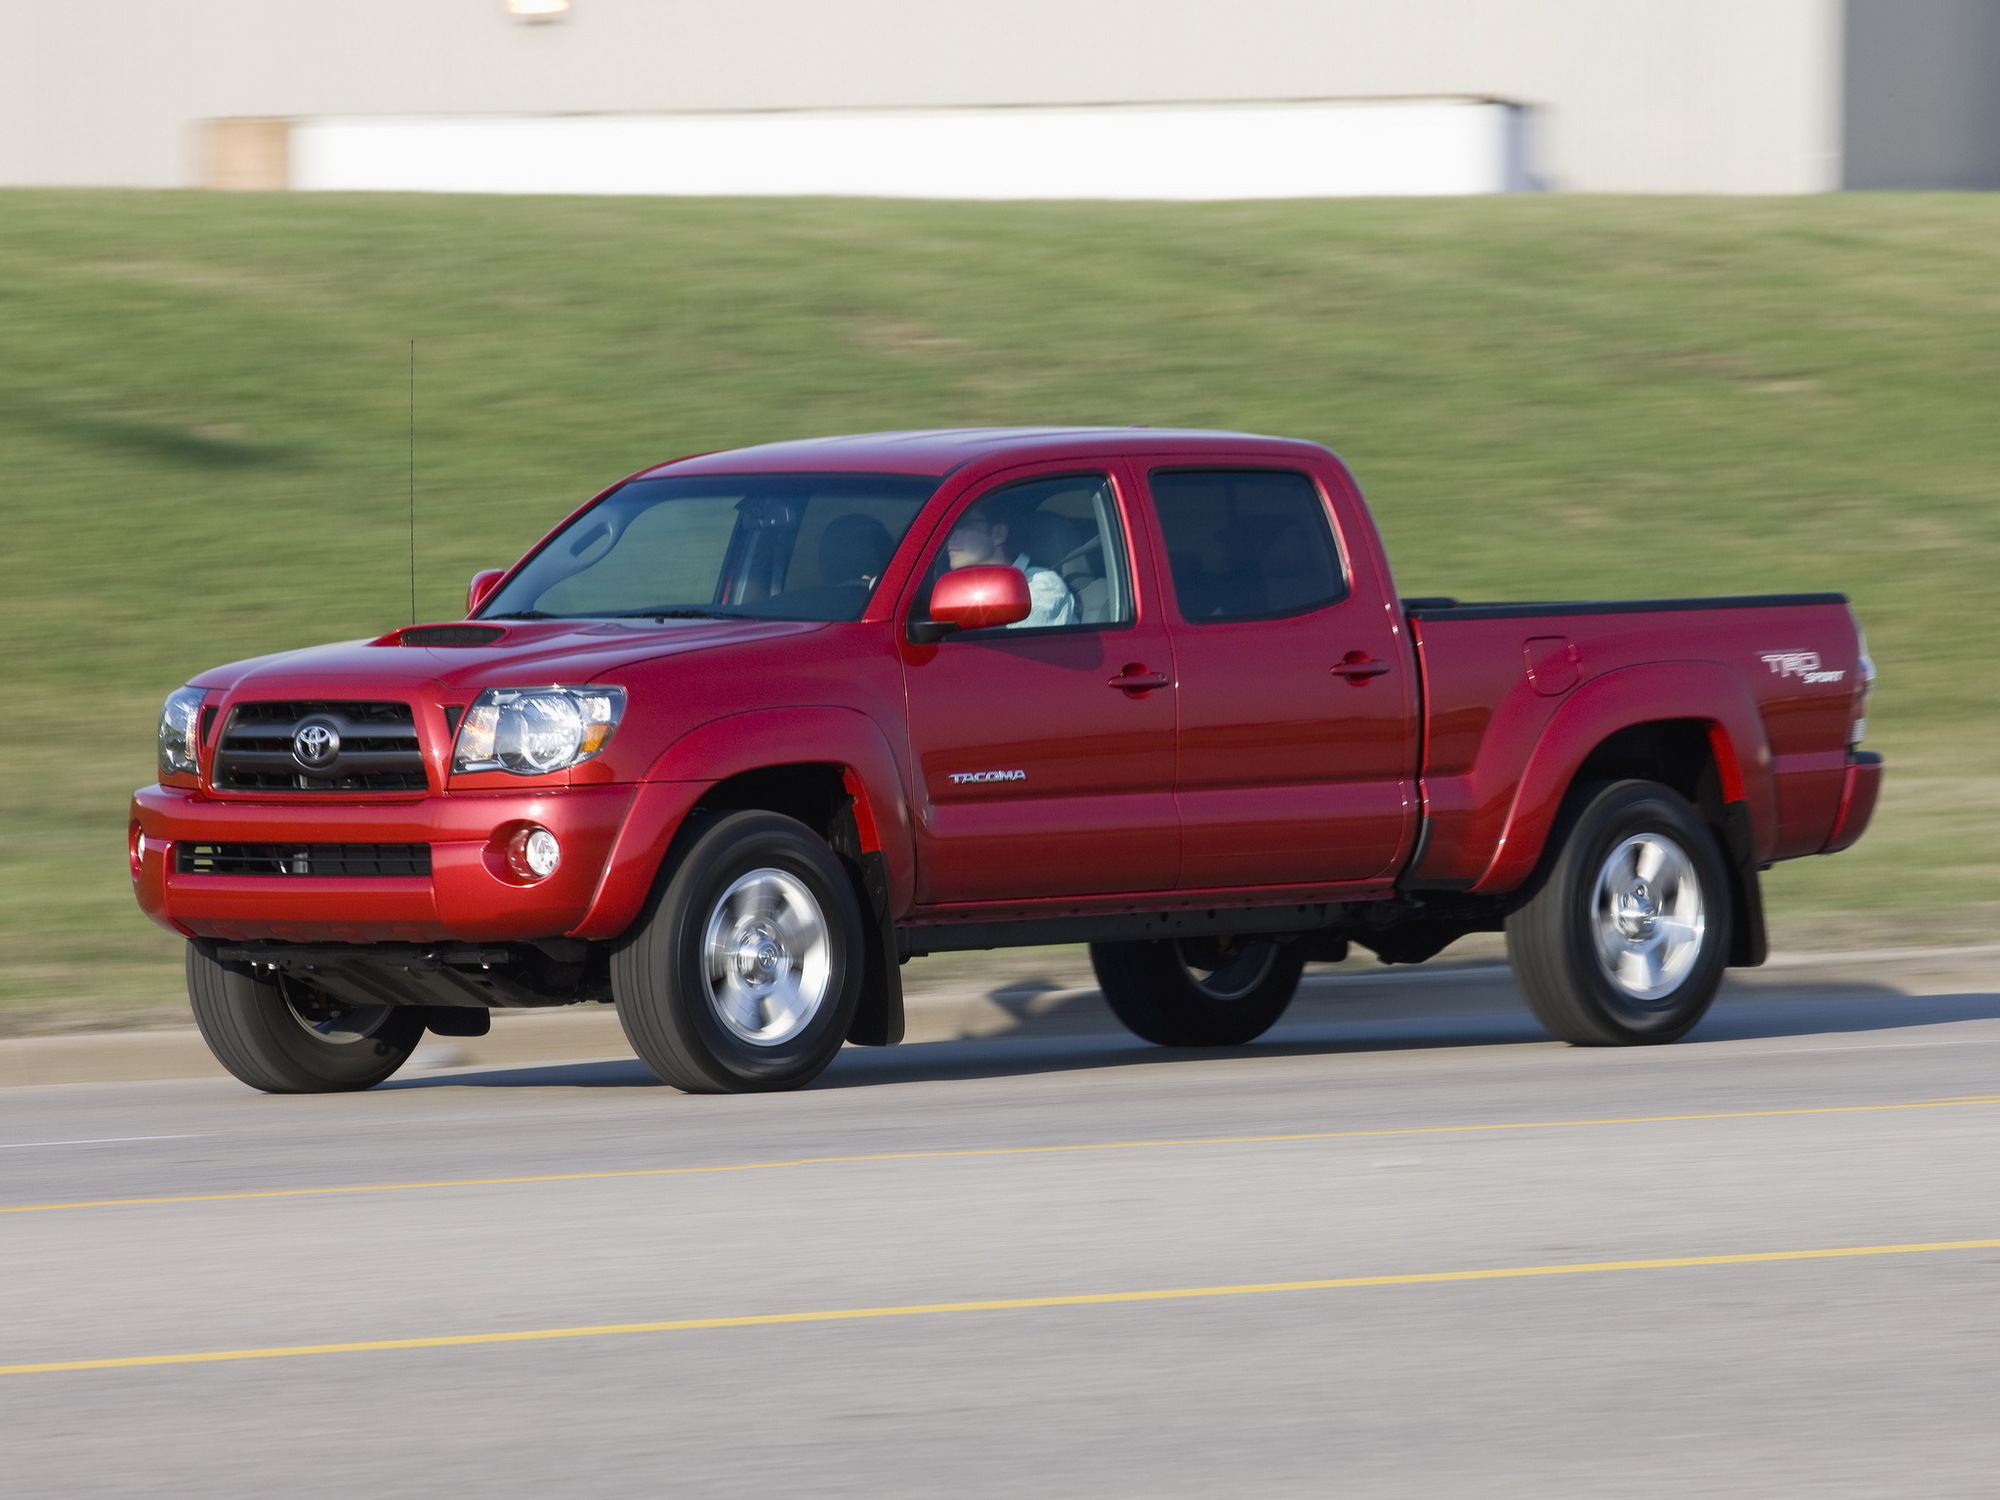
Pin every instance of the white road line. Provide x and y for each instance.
(1969, 1041)
(101, 1140)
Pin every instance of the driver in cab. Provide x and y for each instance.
(979, 541)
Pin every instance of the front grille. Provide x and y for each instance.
(304, 859)
(377, 748)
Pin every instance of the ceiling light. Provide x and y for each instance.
(538, 10)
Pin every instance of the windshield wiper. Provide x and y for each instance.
(678, 612)
(525, 614)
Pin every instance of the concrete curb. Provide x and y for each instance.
(587, 1033)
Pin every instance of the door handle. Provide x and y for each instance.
(1137, 679)
(1357, 667)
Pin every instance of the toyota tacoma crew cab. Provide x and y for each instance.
(749, 730)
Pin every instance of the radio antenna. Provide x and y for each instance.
(413, 481)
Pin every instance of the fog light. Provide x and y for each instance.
(533, 854)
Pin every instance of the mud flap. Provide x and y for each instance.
(878, 1020)
(1749, 945)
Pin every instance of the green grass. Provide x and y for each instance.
(203, 422)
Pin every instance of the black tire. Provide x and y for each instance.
(285, 1037)
(1199, 992)
(707, 1025)
(1606, 954)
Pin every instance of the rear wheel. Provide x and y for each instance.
(745, 975)
(284, 1036)
(1199, 992)
(1625, 942)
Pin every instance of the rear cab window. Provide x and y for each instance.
(1246, 544)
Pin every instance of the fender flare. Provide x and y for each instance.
(1704, 691)
(720, 748)
(817, 734)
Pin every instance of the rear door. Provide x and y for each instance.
(1297, 706)
(1045, 751)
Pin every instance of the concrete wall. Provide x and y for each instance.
(1922, 94)
(1729, 96)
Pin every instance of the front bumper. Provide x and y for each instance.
(468, 896)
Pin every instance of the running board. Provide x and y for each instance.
(1123, 927)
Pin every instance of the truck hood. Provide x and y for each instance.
(527, 653)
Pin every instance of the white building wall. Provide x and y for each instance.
(1635, 95)
(1375, 149)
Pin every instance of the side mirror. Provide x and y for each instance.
(975, 599)
(483, 583)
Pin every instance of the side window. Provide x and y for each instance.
(1063, 533)
(1246, 544)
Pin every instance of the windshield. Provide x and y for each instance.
(760, 546)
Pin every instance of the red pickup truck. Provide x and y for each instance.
(750, 729)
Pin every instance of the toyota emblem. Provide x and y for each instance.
(316, 744)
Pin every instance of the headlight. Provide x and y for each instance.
(533, 731)
(180, 732)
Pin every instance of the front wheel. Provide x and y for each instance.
(1199, 992)
(285, 1036)
(745, 975)
(1625, 942)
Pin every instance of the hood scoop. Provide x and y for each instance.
(443, 635)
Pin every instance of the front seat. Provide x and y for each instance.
(854, 549)
(1073, 549)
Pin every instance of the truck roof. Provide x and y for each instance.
(940, 450)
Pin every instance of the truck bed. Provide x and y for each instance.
(1518, 696)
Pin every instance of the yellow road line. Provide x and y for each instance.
(982, 1151)
(1002, 1304)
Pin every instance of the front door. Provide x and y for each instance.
(1045, 750)
(1297, 713)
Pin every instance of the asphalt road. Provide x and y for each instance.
(1390, 1139)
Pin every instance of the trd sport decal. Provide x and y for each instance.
(1803, 665)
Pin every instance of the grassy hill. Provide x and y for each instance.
(202, 413)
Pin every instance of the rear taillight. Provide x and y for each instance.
(1866, 668)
